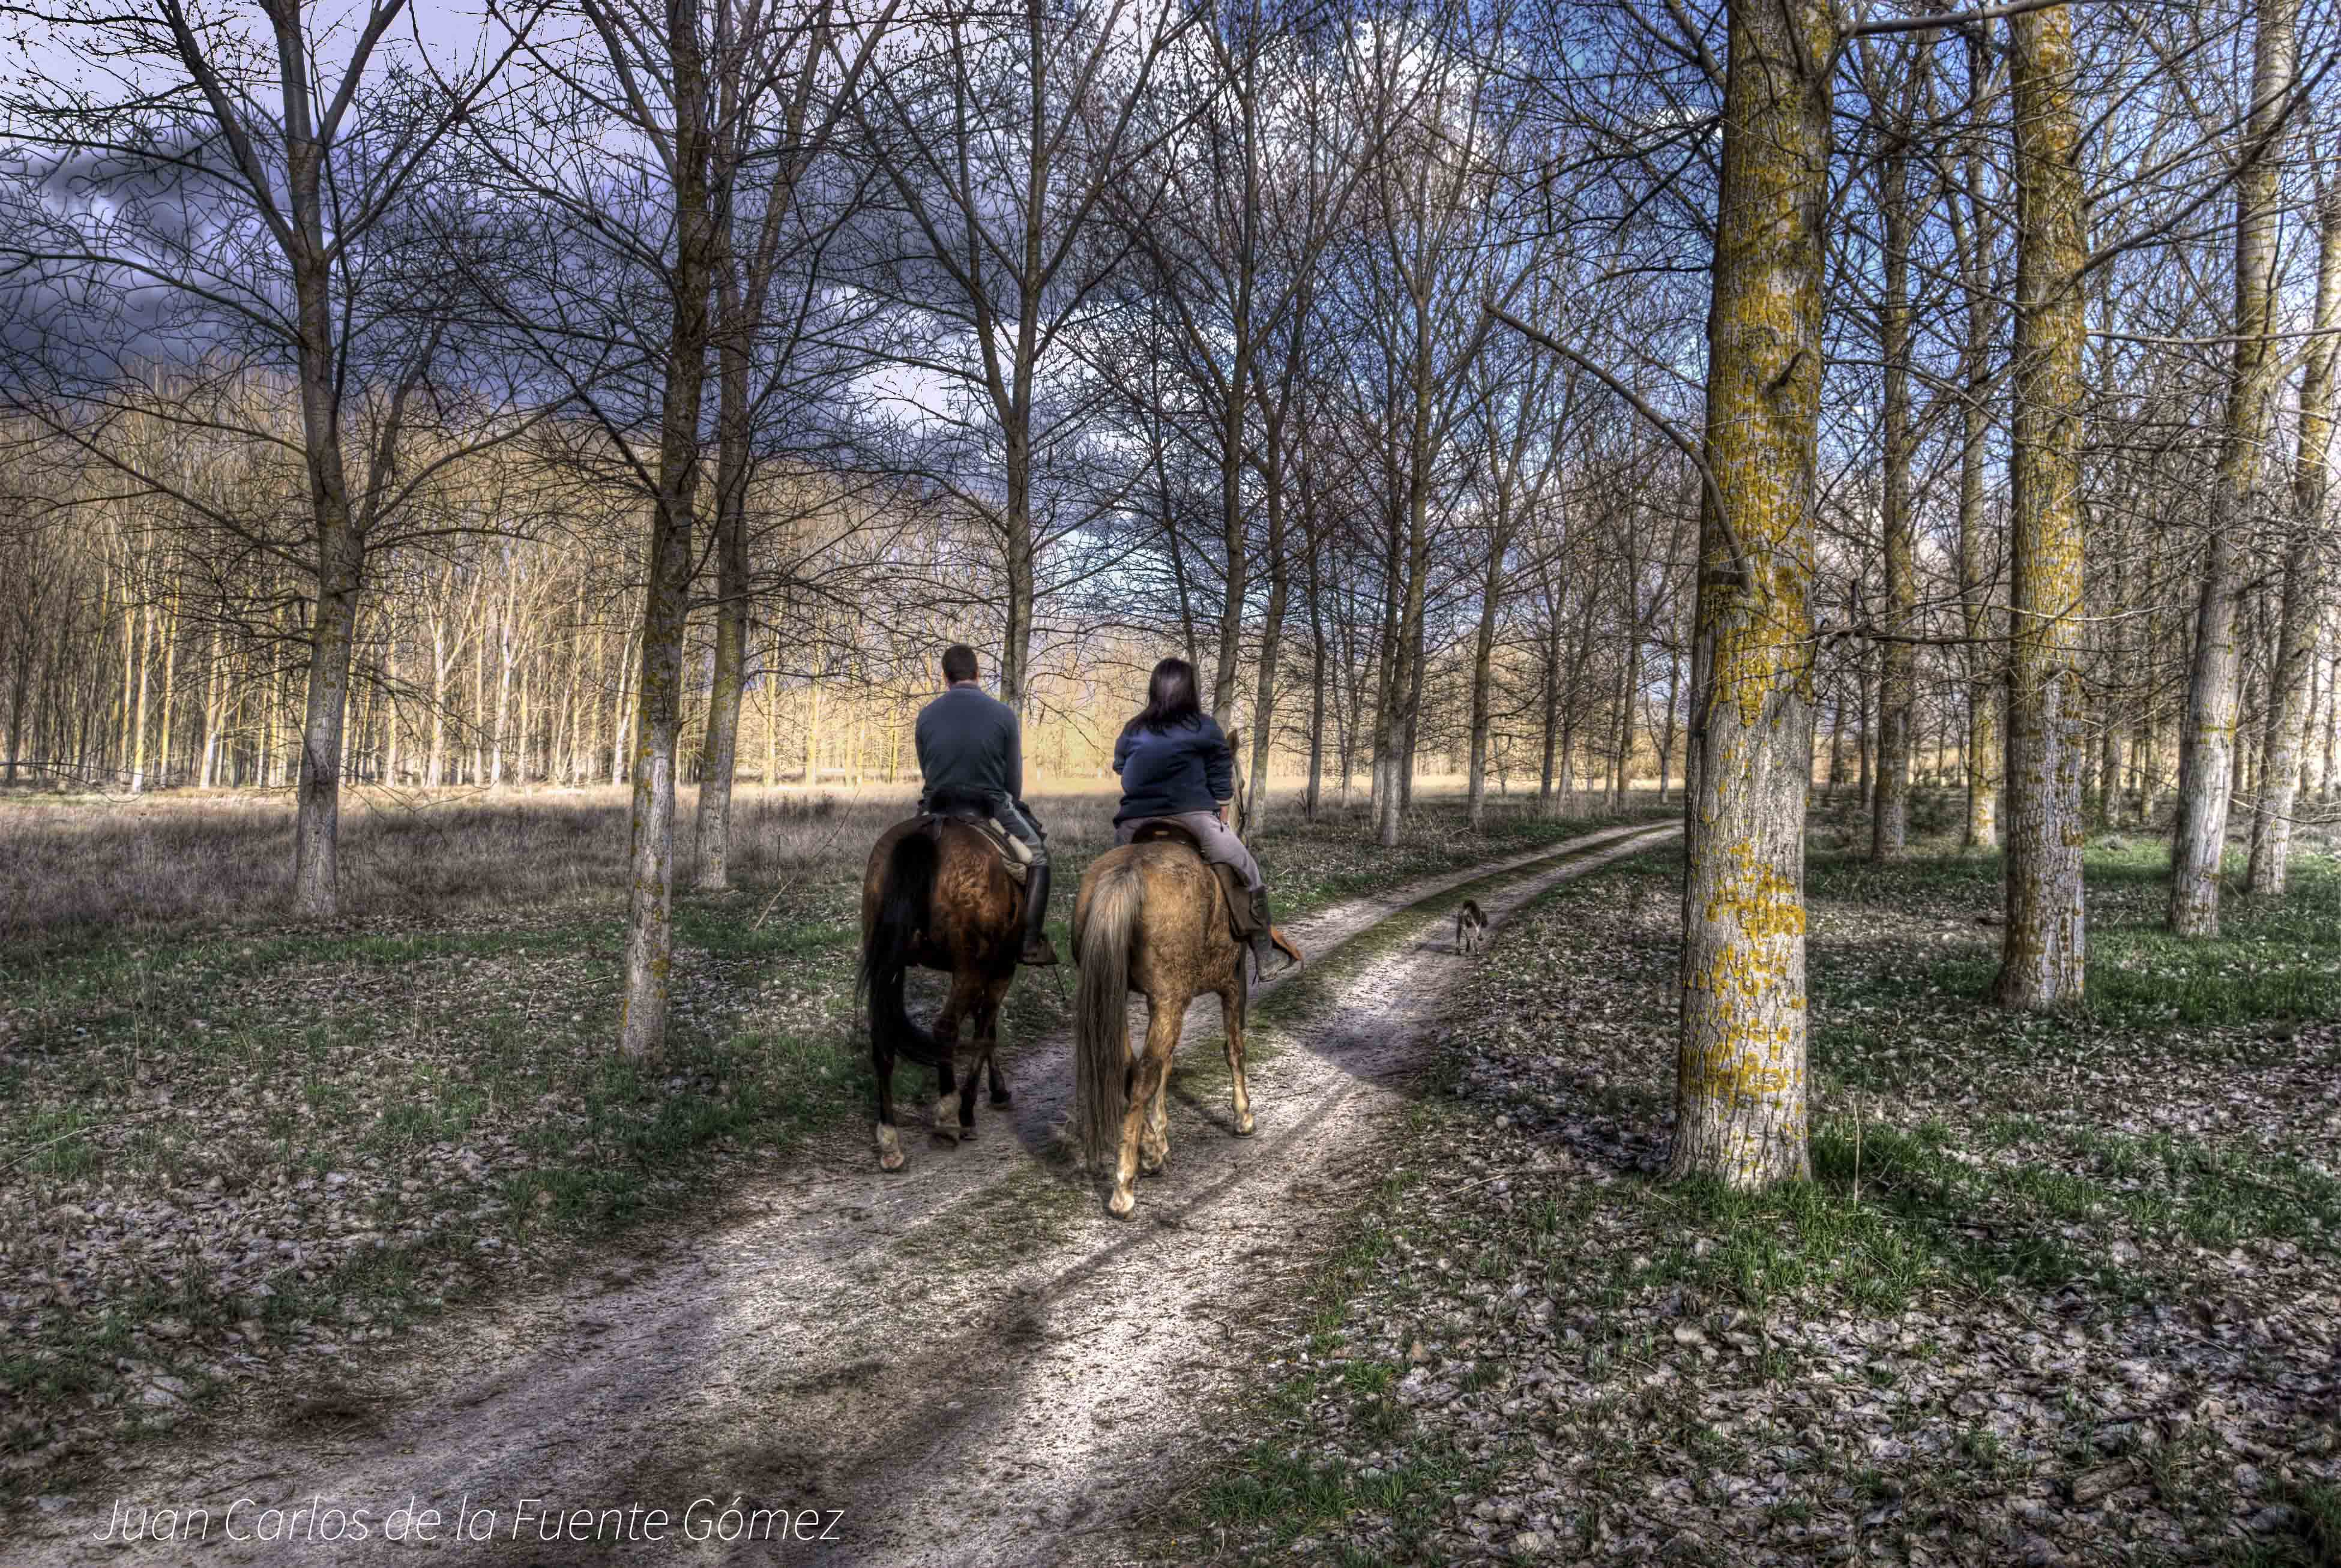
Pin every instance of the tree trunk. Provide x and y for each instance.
(1316, 653)
(1272, 631)
(1866, 738)
(1897, 695)
(138, 708)
(666, 599)
(507, 656)
(2303, 572)
(1739, 1098)
(2107, 800)
(1551, 705)
(2145, 744)
(2206, 763)
(1836, 739)
(2041, 948)
(1980, 753)
(719, 753)
(1483, 659)
(2326, 772)
(170, 617)
(1667, 733)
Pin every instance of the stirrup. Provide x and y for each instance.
(1265, 946)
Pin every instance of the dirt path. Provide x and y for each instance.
(966, 1363)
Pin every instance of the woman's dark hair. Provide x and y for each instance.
(1170, 698)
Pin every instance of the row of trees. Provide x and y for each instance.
(1742, 388)
(502, 655)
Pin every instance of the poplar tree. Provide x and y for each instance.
(2041, 942)
(1741, 1089)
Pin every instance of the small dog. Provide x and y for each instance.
(1470, 927)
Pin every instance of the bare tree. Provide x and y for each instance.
(1001, 142)
(764, 169)
(261, 196)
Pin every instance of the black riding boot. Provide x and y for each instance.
(1266, 957)
(1037, 949)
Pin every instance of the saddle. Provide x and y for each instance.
(1015, 855)
(1243, 920)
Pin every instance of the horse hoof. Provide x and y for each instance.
(967, 1132)
(945, 1137)
(1244, 1127)
(1000, 1099)
(890, 1148)
(1121, 1204)
(892, 1160)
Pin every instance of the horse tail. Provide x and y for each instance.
(905, 905)
(1101, 1013)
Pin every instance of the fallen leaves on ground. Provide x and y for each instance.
(2062, 1292)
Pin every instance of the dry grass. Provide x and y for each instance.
(70, 866)
(75, 867)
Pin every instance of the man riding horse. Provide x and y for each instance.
(971, 748)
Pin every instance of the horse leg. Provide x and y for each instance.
(1000, 1098)
(987, 1047)
(1231, 1028)
(965, 992)
(985, 1017)
(1148, 1074)
(1154, 1142)
(890, 1144)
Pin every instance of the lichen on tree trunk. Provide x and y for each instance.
(1741, 1089)
(2041, 948)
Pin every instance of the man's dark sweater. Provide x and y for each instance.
(970, 742)
(1186, 768)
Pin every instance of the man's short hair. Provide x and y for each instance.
(958, 662)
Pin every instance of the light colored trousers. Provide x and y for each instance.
(1221, 846)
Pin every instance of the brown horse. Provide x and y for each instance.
(937, 895)
(1150, 917)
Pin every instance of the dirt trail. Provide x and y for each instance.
(966, 1363)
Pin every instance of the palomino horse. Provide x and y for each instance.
(1150, 917)
(938, 895)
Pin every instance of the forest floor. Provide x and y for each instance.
(351, 1215)
(2064, 1290)
(240, 1157)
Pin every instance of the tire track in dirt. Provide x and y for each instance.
(969, 1362)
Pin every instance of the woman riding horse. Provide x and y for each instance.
(1176, 767)
(1153, 919)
